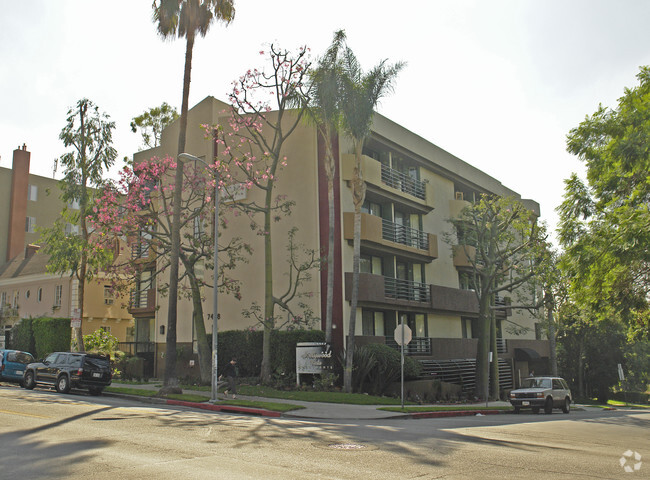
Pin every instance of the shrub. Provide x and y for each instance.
(51, 335)
(22, 336)
(386, 368)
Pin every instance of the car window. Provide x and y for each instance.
(24, 357)
(51, 358)
(75, 360)
(11, 356)
(97, 362)
(557, 385)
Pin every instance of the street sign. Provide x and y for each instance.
(621, 376)
(408, 335)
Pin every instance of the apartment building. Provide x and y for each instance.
(29, 201)
(410, 272)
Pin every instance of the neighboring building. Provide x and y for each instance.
(27, 290)
(408, 271)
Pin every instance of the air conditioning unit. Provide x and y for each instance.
(459, 196)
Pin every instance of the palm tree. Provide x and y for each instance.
(360, 94)
(183, 18)
(325, 111)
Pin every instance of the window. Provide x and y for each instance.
(373, 323)
(539, 331)
(30, 224)
(14, 301)
(106, 328)
(199, 227)
(39, 294)
(108, 295)
(73, 204)
(32, 193)
(71, 229)
(3, 300)
(371, 264)
(372, 208)
(58, 293)
(27, 294)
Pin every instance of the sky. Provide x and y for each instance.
(497, 83)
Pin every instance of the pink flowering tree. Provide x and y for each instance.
(267, 107)
(138, 208)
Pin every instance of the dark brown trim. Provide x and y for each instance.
(323, 219)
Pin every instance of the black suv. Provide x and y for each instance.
(66, 370)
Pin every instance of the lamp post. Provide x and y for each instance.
(215, 294)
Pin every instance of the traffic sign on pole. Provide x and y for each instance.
(403, 335)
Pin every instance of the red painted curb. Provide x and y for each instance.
(454, 413)
(225, 408)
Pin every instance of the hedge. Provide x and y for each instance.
(246, 346)
(41, 336)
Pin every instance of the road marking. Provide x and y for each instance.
(23, 414)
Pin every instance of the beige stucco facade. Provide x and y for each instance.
(410, 273)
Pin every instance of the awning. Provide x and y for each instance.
(525, 354)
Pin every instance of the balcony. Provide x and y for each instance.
(464, 255)
(406, 290)
(142, 301)
(391, 237)
(391, 184)
(417, 346)
(140, 250)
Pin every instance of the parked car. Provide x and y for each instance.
(67, 370)
(542, 392)
(12, 365)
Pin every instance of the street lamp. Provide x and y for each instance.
(215, 294)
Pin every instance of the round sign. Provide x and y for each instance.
(408, 335)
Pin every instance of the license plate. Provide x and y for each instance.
(97, 375)
(525, 403)
(19, 372)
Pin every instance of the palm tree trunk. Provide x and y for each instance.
(170, 357)
(358, 193)
(330, 170)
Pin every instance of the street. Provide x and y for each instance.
(53, 436)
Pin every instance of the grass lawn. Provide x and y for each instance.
(188, 397)
(314, 396)
(443, 408)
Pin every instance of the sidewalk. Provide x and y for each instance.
(312, 410)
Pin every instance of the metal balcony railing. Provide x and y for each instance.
(403, 182)
(139, 299)
(406, 290)
(139, 250)
(417, 345)
(502, 346)
(408, 236)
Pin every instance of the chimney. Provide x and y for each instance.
(18, 203)
(30, 250)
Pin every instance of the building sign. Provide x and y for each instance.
(312, 357)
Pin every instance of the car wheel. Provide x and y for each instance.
(95, 390)
(548, 406)
(567, 405)
(63, 384)
(28, 381)
(535, 409)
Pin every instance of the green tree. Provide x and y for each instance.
(90, 135)
(325, 109)
(507, 251)
(360, 94)
(183, 18)
(252, 158)
(605, 221)
(152, 122)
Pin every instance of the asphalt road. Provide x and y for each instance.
(47, 435)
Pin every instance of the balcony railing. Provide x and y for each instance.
(139, 250)
(394, 232)
(403, 182)
(406, 290)
(502, 346)
(417, 345)
(139, 298)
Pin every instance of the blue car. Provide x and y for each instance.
(12, 365)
